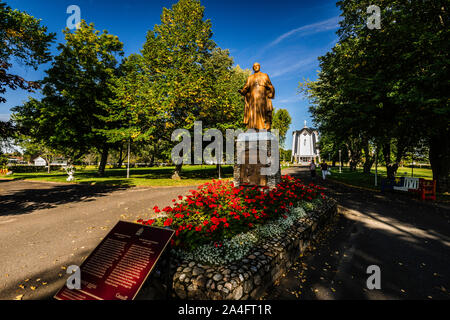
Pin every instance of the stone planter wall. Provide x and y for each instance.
(248, 278)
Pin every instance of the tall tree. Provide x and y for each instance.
(76, 94)
(22, 37)
(281, 121)
(389, 84)
(179, 77)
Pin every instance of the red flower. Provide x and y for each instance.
(168, 222)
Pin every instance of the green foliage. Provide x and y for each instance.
(389, 85)
(180, 76)
(76, 93)
(281, 120)
(23, 38)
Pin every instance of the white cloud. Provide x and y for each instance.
(291, 67)
(313, 28)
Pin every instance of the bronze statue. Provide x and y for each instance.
(258, 92)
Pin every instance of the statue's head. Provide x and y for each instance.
(256, 67)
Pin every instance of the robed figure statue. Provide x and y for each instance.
(258, 92)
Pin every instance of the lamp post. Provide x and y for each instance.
(340, 162)
(376, 166)
(128, 165)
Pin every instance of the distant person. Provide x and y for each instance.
(312, 168)
(324, 168)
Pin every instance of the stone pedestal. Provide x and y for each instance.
(258, 161)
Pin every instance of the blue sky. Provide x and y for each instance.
(285, 37)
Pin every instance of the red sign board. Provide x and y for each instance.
(120, 264)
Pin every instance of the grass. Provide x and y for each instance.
(154, 176)
(367, 180)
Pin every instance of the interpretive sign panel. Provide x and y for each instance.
(120, 264)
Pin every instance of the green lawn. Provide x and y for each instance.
(157, 176)
(360, 179)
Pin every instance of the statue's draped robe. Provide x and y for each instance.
(258, 92)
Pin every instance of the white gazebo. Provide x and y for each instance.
(305, 146)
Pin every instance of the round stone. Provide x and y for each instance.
(182, 277)
(191, 287)
(217, 277)
(196, 271)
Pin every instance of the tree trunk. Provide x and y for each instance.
(48, 163)
(354, 149)
(219, 170)
(121, 156)
(369, 159)
(440, 161)
(103, 159)
(152, 160)
(177, 171)
(387, 160)
(391, 167)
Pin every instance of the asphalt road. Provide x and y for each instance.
(45, 227)
(407, 238)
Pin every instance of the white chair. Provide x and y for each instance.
(409, 183)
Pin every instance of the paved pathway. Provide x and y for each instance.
(45, 227)
(408, 239)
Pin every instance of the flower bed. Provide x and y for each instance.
(217, 211)
(245, 278)
(232, 243)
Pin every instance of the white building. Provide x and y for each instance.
(305, 146)
(39, 161)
